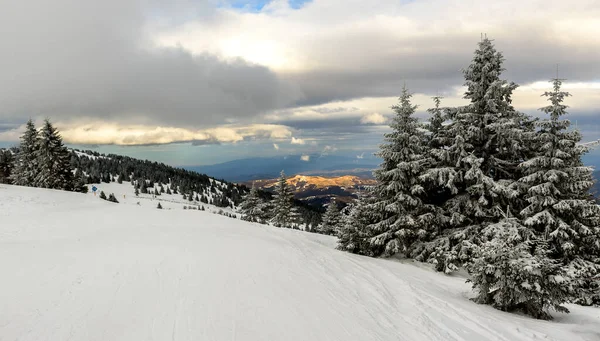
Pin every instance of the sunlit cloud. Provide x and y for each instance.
(102, 133)
(297, 141)
(373, 118)
(305, 158)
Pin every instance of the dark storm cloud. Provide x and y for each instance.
(70, 59)
(434, 64)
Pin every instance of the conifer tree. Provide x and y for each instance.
(112, 198)
(332, 219)
(476, 169)
(435, 125)
(512, 271)
(400, 213)
(6, 166)
(283, 210)
(159, 206)
(252, 207)
(560, 208)
(54, 160)
(354, 231)
(102, 195)
(26, 166)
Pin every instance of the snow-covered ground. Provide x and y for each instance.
(125, 194)
(75, 267)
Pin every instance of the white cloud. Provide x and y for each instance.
(328, 149)
(373, 118)
(131, 135)
(297, 141)
(305, 158)
(276, 146)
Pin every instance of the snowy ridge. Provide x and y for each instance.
(88, 269)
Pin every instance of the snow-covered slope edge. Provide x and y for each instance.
(76, 267)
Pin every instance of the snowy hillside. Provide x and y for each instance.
(125, 194)
(75, 267)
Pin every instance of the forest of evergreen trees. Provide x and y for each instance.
(482, 187)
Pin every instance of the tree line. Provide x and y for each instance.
(42, 160)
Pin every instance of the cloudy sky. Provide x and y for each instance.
(192, 82)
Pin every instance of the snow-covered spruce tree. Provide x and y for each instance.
(512, 271)
(252, 207)
(159, 206)
(398, 210)
(332, 219)
(102, 195)
(283, 211)
(53, 159)
(353, 234)
(440, 180)
(26, 166)
(488, 139)
(560, 208)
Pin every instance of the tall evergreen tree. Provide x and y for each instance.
(26, 166)
(283, 211)
(54, 160)
(477, 168)
(400, 211)
(252, 207)
(560, 208)
(332, 219)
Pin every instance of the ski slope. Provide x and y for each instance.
(75, 267)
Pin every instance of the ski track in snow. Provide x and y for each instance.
(79, 268)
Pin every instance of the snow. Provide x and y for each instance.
(90, 156)
(125, 194)
(75, 267)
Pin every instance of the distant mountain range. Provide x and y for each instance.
(245, 170)
(318, 190)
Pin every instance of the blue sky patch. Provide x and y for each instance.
(258, 5)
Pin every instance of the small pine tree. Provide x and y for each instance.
(283, 209)
(6, 166)
(353, 233)
(332, 219)
(169, 191)
(137, 192)
(252, 207)
(159, 206)
(512, 271)
(112, 198)
(102, 195)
